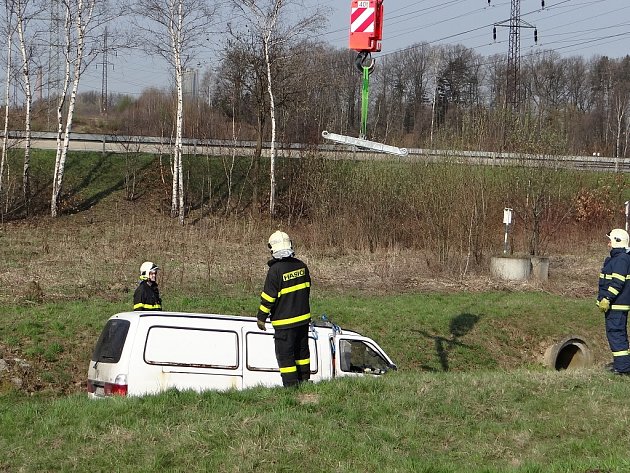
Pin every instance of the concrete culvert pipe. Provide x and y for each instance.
(570, 353)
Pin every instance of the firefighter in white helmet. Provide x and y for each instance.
(147, 293)
(285, 300)
(613, 298)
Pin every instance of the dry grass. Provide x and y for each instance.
(98, 252)
(382, 228)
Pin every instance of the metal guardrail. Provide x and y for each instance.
(152, 144)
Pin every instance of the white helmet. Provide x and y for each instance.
(618, 238)
(279, 241)
(146, 268)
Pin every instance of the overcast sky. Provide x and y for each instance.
(570, 27)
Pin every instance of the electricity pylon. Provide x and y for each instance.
(513, 94)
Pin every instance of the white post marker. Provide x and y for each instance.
(507, 220)
(627, 204)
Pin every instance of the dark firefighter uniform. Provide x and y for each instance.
(285, 300)
(147, 296)
(613, 286)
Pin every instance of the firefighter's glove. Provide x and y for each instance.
(604, 305)
(261, 325)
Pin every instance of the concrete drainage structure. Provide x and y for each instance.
(570, 353)
(510, 268)
(514, 268)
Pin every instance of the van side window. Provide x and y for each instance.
(177, 346)
(356, 356)
(110, 344)
(260, 352)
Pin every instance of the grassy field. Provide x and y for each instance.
(457, 332)
(487, 421)
(471, 393)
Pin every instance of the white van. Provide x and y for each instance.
(149, 352)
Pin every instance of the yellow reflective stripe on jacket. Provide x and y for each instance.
(297, 287)
(141, 305)
(306, 361)
(618, 276)
(621, 353)
(264, 309)
(620, 307)
(292, 320)
(288, 369)
(267, 297)
(601, 276)
(613, 290)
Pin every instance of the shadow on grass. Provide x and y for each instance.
(459, 326)
(84, 173)
(239, 196)
(97, 171)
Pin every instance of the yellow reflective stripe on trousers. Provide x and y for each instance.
(264, 309)
(288, 369)
(306, 361)
(621, 353)
(297, 287)
(267, 297)
(141, 305)
(620, 307)
(292, 320)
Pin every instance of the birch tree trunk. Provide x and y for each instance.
(272, 115)
(621, 107)
(59, 163)
(21, 18)
(81, 21)
(260, 24)
(175, 30)
(619, 118)
(7, 96)
(187, 24)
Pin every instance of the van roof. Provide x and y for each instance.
(156, 313)
(196, 315)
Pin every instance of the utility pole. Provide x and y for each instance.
(39, 83)
(105, 65)
(104, 78)
(513, 95)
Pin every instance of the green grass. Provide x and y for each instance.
(470, 395)
(458, 332)
(519, 421)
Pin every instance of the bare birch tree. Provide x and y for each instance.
(60, 158)
(276, 24)
(621, 106)
(82, 22)
(9, 32)
(175, 30)
(25, 12)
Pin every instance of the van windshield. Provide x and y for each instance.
(111, 342)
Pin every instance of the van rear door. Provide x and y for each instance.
(104, 367)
